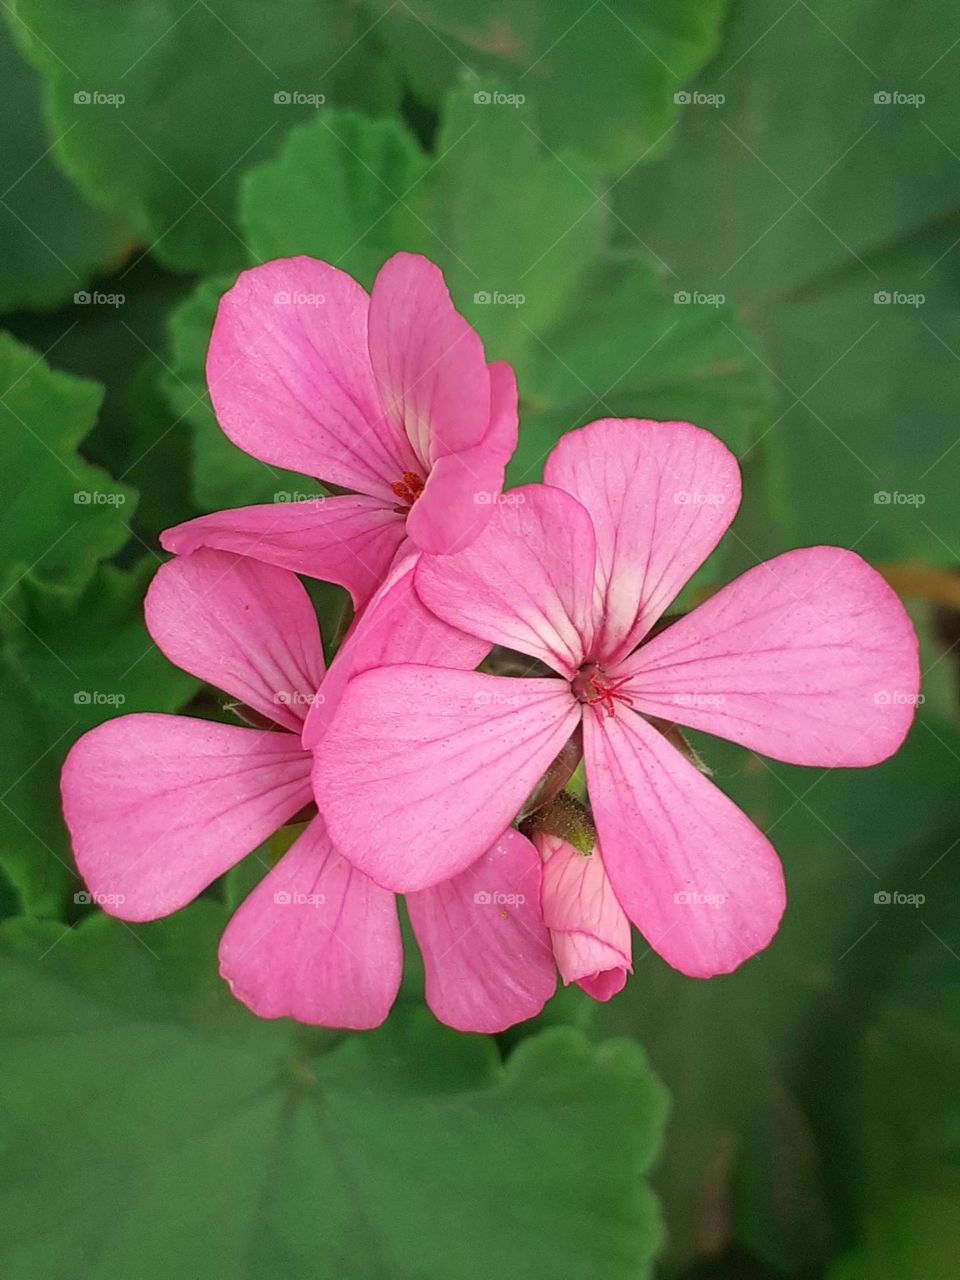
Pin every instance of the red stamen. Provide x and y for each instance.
(605, 694)
(408, 490)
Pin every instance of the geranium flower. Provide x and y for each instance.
(159, 806)
(588, 929)
(808, 658)
(388, 395)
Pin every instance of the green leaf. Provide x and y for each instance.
(50, 239)
(500, 216)
(603, 78)
(869, 458)
(137, 437)
(230, 1147)
(157, 109)
(59, 514)
(792, 176)
(342, 189)
(631, 350)
(517, 227)
(914, 1238)
(520, 235)
(810, 198)
(66, 667)
(223, 475)
(760, 1063)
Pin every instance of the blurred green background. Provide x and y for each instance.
(741, 214)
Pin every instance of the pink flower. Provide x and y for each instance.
(588, 929)
(388, 395)
(808, 658)
(159, 806)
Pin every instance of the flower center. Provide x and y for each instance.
(594, 688)
(408, 490)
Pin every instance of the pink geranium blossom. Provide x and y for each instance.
(388, 395)
(159, 806)
(808, 658)
(588, 929)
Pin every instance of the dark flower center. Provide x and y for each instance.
(594, 688)
(408, 490)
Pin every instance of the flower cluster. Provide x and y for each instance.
(527, 818)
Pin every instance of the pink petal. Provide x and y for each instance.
(245, 627)
(423, 768)
(159, 806)
(290, 377)
(429, 363)
(394, 628)
(661, 495)
(350, 540)
(315, 941)
(463, 489)
(526, 582)
(589, 931)
(486, 952)
(692, 872)
(809, 658)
